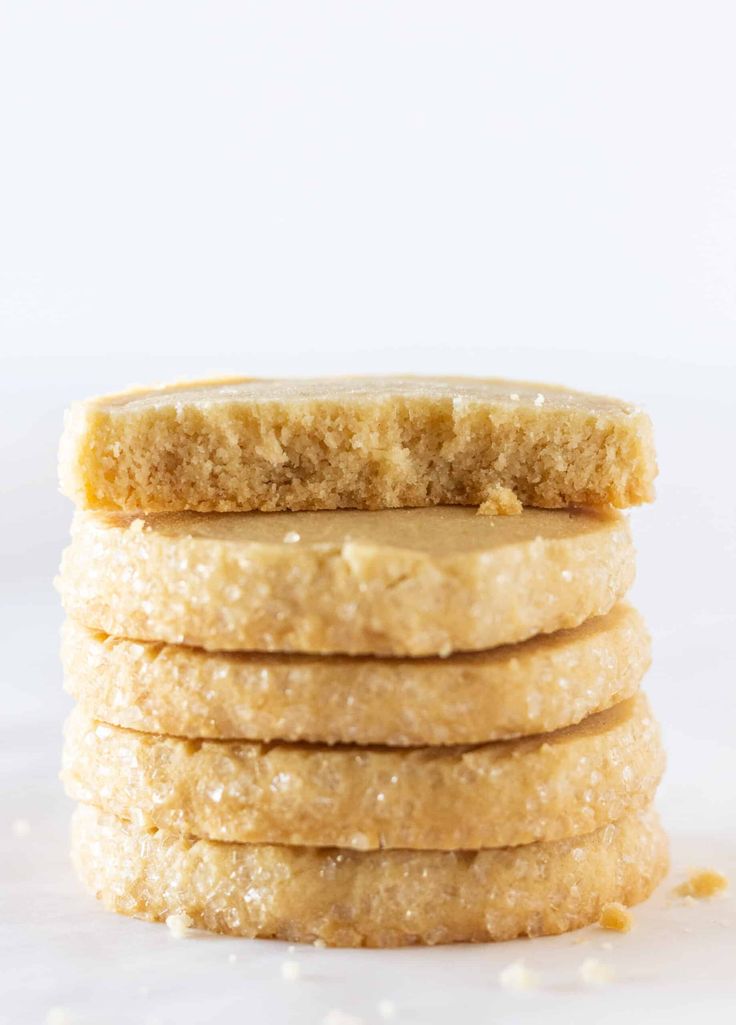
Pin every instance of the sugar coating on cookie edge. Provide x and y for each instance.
(374, 898)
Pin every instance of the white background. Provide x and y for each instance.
(545, 190)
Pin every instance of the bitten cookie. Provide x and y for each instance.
(357, 443)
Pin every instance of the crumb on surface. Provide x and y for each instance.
(291, 970)
(500, 501)
(518, 978)
(319, 943)
(595, 973)
(616, 917)
(703, 882)
(59, 1016)
(179, 925)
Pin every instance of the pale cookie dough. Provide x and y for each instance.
(373, 899)
(540, 685)
(427, 798)
(365, 443)
(392, 582)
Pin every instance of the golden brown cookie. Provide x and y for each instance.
(427, 798)
(392, 582)
(365, 443)
(371, 899)
(540, 685)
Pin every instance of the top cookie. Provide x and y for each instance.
(241, 444)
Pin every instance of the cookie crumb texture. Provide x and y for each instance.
(616, 917)
(377, 899)
(500, 501)
(512, 792)
(357, 443)
(705, 882)
(393, 582)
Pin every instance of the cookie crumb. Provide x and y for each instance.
(704, 882)
(518, 978)
(386, 1009)
(319, 943)
(500, 501)
(291, 970)
(179, 925)
(59, 1016)
(595, 973)
(616, 917)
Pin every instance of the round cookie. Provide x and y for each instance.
(538, 686)
(392, 582)
(427, 798)
(373, 899)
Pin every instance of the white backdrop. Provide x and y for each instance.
(532, 189)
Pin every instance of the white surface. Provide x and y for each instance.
(542, 190)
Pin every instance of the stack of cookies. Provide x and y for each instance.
(351, 661)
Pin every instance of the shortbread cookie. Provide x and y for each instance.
(537, 686)
(392, 582)
(359, 443)
(427, 798)
(372, 899)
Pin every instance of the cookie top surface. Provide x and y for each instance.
(362, 391)
(437, 531)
